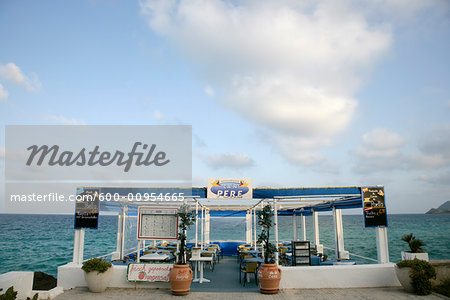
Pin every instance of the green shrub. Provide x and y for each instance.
(420, 274)
(443, 288)
(96, 264)
(10, 294)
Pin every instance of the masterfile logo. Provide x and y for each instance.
(53, 156)
(105, 153)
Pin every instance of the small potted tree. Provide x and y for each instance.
(97, 273)
(181, 275)
(415, 245)
(414, 275)
(269, 274)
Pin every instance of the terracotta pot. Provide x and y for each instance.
(98, 282)
(269, 276)
(180, 279)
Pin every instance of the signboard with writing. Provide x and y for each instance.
(157, 223)
(148, 272)
(229, 189)
(374, 206)
(86, 208)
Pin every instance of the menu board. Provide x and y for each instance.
(374, 206)
(86, 208)
(157, 223)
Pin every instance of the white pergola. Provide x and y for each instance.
(295, 201)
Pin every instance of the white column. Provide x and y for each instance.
(196, 223)
(382, 245)
(78, 246)
(275, 213)
(319, 247)
(138, 252)
(207, 227)
(304, 227)
(294, 226)
(124, 222)
(202, 228)
(254, 226)
(248, 227)
(339, 235)
(118, 254)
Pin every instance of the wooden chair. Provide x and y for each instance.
(250, 267)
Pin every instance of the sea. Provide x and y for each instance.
(44, 242)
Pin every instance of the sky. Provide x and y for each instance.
(287, 93)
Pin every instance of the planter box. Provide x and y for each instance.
(406, 255)
(403, 277)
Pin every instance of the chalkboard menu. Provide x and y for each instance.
(86, 208)
(374, 206)
(157, 223)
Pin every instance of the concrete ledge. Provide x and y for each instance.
(21, 281)
(442, 270)
(345, 276)
(71, 276)
(50, 294)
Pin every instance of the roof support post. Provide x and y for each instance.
(294, 226)
(196, 223)
(304, 227)
(202, 228)
(339, 235)
(248, 227)
(275, 208)
(207, 226)
(319, 247)
(78, 246)
(254, 226)
(382, 245)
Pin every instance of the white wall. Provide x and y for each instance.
(344, 276)
(22, 282)
(71, 275)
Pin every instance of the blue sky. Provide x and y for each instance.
(288, 93)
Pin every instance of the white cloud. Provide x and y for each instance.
(2, 152)
(291, 67)
(61, 120)
(379, 150)
(209, 91)
(382, 150)
(14, 74)
(3, 94)
(227, 160)
(158, 116)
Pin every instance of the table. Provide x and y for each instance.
(199, 264)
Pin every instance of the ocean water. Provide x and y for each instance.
(44, 242)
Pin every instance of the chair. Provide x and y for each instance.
(211, 263)
(250, 267)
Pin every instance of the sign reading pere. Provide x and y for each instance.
(374, 206)
(230, 188)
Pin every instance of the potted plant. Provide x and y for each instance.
(269, 274)
(415, 275)
(181, 275)
(97, 273)
(415, 245)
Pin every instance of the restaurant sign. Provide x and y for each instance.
(374, 206)
(230, 188)
(148, 272)
(87, 208)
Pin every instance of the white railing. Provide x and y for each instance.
(355, 255)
